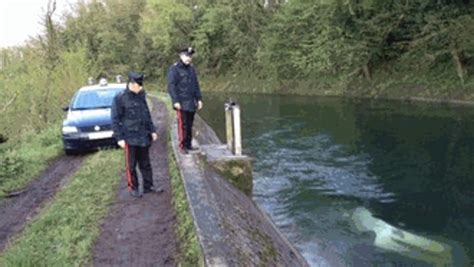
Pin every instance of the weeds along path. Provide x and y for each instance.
(142, 232)
(17, 210)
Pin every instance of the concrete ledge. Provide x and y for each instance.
(235, 169)
(231, 229)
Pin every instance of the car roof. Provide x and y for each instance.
(103, 87)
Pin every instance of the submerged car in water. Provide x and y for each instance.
(88, 124)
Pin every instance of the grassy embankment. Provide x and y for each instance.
(23, 158)
(434, 87)
(191, 253)
(401, 86)
(63, 234)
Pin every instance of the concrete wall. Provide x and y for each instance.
(232, 229)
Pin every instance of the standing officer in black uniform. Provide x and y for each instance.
(134, 131)
(183, 87)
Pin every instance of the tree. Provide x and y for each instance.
(308, 38)
(50, 46)
(228, 36)
(447, 32)
(110, 32)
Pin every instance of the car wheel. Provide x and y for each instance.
(70, 152)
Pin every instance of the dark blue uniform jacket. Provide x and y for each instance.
(183, 86)
(131, 120)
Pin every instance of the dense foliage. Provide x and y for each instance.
(371, 43)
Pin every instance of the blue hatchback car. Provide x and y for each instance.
(88, 124)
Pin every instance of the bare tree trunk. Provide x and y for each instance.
(460, 69)
(367, 73)
(5, 107)
(50, 47)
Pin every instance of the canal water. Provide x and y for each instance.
(359, 182)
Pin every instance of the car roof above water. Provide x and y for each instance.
(103, 87)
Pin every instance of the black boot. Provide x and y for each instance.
(135, 194)
(156, 189)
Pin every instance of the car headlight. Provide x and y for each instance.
(69, 129)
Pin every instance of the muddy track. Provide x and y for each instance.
(17, 210)
(141, 232)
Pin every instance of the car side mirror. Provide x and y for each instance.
(66, 108)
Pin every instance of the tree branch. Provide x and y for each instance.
(9, 103)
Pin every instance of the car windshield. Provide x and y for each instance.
(94, 99)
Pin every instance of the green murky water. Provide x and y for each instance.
(362, 182)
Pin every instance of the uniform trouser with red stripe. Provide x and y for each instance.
(138, 155)
(185, 128)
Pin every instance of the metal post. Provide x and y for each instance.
(229, 126)
(237, 132)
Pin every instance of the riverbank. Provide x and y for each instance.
(230, 228)
(397, 87)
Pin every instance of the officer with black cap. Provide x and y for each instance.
(134, 131)
(183, 88)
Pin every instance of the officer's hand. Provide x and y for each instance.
(154, 136)
(177, 106)
(121, 143)
(200, 105)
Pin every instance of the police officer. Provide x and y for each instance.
(183, 88)
(134, 131)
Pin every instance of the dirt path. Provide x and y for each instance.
(141, 232)
(18, 210)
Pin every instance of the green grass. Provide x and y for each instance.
(403, 84)
(25, 157)
(63, 234)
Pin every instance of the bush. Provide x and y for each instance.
(36, 98)
(24, 157)
(11, 165)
